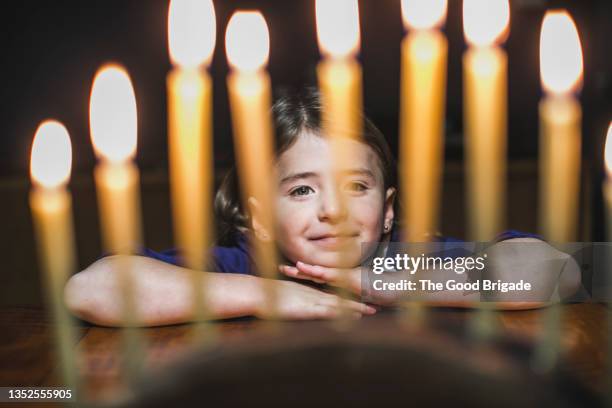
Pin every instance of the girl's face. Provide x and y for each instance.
(322, 219)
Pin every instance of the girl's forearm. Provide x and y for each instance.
(162, 293)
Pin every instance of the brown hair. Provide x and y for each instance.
(294, 114)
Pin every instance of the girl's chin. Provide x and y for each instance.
(346, 257)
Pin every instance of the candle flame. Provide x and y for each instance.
(424, 14)
(247, 41)
(608, 151)
(192, 32)
(338, 27)
(112, 114)
(486, 22)
(561, 64)
(51, 158)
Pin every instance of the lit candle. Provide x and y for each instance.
(607, 192)
(113, 126)
(561, 70)
(560, 126)
(339, 73)
(247, 43)
(485, 73)
(340, 78)
(51, 207)
(607, 187)
(191, 41)
(422, 110)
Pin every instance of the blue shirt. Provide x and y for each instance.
(237, 259)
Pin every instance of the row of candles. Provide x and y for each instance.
(192, 38)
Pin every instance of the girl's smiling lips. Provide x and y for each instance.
(333, 240)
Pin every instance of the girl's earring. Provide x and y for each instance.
(386, 228)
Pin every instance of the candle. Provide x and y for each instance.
(191, 42)
(113, 126)
(51, 207)
(422, 100)
(485, 73)
(247, 43)
(607, 187)
(607, 192)
(560, 121)
(340, 77)
(485, 78)
(561, 69)
(339, 73)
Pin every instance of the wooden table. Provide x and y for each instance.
(27, 356)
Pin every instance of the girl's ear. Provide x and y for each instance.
(255, 210)
(388, 213)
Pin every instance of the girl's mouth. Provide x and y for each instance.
(333, 241)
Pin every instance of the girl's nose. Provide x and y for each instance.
(332, 207)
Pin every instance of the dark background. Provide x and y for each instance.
(53, 49)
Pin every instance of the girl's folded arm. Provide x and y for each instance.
(552, 274)
(163, 292)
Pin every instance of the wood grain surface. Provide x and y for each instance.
(27, 353)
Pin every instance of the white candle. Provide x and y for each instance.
(191, 43)
(424, 54)
(113, 123)
(340, 81)
(561, 69)
(422, 107)
(607, 186)
(339, 72)
(51, 207)
(485, 101)
(485, 95)
(560, 132)
(607, 192)
(247, 42)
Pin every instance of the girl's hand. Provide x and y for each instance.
(349, 279)
(295, 301)
(553, 274)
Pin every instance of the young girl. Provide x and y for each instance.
(324, 215)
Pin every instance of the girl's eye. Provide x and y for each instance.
(301, 191)
(355, 186)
